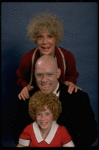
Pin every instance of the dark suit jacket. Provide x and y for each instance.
(77, 116)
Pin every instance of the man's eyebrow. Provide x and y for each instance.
(39, 73)
(50, 72)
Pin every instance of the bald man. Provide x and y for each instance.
(47, 63)
(77, 115)
(47, 74)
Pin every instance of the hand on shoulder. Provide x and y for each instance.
(71, 87)
(24, 94)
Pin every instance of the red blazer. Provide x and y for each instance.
(65, 60)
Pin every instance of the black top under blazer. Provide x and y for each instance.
(77, 116)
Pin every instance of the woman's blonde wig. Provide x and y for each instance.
(38, 102)
(48, 22)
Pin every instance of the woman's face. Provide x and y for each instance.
(46, 43)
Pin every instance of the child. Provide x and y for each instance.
(44, 109)
(46, 31)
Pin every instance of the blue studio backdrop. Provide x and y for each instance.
(81, 39)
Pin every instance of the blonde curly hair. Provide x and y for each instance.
(45, 21)
(39, 100)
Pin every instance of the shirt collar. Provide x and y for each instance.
(55, 91)
(50, 135)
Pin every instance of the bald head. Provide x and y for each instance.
(47, 60)
(47, 73)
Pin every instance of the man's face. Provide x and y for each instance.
(46, 77)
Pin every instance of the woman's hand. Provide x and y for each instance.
(72, 87)
(24, 94)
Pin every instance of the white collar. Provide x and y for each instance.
(50, 135)
(55, 91)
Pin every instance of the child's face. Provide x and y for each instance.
(44, 118)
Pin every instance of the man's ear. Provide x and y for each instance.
(58, 72)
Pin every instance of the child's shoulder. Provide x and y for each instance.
(62, 129)
(28, 127)
(64, 133)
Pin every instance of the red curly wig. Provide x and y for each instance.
(38, 101)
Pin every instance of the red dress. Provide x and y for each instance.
(65, 60)
(58, 136)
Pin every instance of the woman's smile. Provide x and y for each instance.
(46, 43)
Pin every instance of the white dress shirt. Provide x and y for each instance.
(55, 91)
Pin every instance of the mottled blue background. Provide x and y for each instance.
(81, 38)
